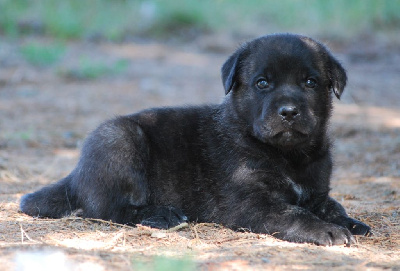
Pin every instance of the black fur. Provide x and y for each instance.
(260, 160)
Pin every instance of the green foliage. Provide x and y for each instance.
(114, 20)
(9, 12)
(166, 264)
(84, 19)
(23, 135)
(42, 54)
(182, 15)
(89, 69)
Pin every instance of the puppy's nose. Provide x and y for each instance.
(288, 112)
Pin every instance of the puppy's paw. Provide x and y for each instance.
(358, 228)
(330, 235)
(161, 217)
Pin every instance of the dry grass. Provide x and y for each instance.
(209, 246)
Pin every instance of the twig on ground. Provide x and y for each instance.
(178, 227)
(98, 220)
(27, 236)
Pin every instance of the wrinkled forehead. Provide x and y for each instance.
(291, 54)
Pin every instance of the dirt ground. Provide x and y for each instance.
(44, 117)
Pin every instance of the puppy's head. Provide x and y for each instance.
(281, 86)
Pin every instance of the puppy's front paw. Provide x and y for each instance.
(330, 235)
(358, 228)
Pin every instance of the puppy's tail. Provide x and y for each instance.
(54, 201)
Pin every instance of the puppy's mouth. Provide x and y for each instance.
(286, 138)
(283, 134)
(289, 134)
(289, 137)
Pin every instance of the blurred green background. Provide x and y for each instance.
(118, 20)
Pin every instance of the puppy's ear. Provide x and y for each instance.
(338, 77)
(230, 69)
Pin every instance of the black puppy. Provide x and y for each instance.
(261, 160)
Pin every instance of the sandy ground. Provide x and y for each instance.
(45, 117)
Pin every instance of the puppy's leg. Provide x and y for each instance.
(262, 212)
(295, 224)
(331, 211)
(110, 179)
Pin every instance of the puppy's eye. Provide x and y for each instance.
(262, 83)
(311, 83)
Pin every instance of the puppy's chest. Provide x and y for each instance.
(293, 185)
(299, 185)
(296, 193)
